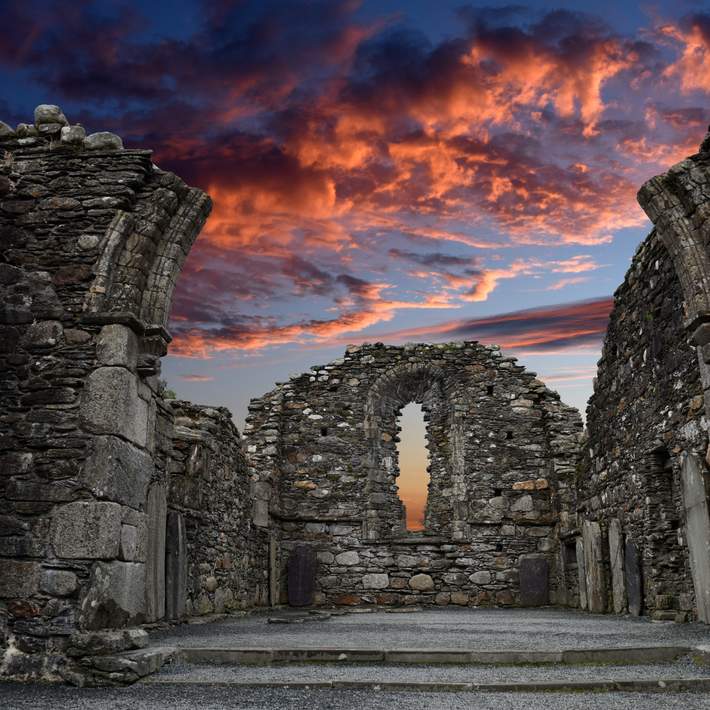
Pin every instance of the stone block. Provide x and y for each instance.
(301, 569)
(375, 581)
(523, 504)
(460, 598)
(118, 471)
(103, 643)
(129, 543)
(18, 580)
(72, 135)
(117, 345)
(111, 405)
(534, 581)
(616, 562)
(348, 559)
(260, 513)
(482, 577)
(325, 557)
(156, 511)
(86, 530)
(176, 566)
(116, 596)
(103, 141)
(421, 582)
(58, 582)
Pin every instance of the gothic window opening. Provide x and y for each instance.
(413, 458)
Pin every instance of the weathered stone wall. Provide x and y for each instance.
(645, 415)
(502, 451)
(93, 237)
(218, 556)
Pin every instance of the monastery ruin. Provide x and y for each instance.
(120, 508)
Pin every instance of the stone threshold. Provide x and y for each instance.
(266, 656)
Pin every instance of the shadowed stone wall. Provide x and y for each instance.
(217, 556)
(502, 447)
(646, 413)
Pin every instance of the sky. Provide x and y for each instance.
(382, 170)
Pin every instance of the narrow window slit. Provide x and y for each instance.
(413, 457)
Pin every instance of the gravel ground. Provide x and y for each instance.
(304, 673)
(146, 697)
(473, 629)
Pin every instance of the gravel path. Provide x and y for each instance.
(303, 673)
(475, 629)
(146, 697)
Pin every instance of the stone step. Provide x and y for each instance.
(266, 656)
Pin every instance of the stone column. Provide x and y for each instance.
(582, 574)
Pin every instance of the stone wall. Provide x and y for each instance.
(502, 448)
(645, 416)
(217, 555)
(93, 237)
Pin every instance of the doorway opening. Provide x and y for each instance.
(413, 457)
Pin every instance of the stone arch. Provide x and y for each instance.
(398, 386)
(142, 255)
(678, 204)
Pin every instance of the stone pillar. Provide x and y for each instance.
(697, 526)
(582, 574)
(616, 559)
(156, 508)
(594, 567)
(633, 578)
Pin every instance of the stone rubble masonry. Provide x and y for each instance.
(503, 452)
(93, 238)
(226, 558)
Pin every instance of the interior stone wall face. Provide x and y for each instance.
(645, 414)
(503, 449)
(226, 556)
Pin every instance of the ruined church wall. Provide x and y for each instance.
(93, 237)
(224, 554)
(645, 414)
(502, 451)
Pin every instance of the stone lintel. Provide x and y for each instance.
(127, 318)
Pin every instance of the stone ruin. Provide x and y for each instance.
(121, 509)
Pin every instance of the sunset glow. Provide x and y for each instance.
(384, 171)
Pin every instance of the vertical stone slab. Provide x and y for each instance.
(301, 576)
(697, 526)
(616, 561)
(594, 567)
(274, 571)
(581, 574)
(175, 566)
(534, 581)
(634, 578)
(156, 510)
